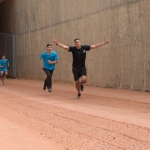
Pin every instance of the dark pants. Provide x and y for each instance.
(48, 80)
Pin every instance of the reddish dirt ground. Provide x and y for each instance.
(102, 119)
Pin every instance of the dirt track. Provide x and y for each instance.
(103, 119)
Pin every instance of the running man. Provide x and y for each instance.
(78, 65)
(48, 60)
(4, 64)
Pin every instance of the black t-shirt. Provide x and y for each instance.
(79, 56)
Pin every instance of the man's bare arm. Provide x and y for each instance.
(53, 62)
(60, 45)
(99, 44)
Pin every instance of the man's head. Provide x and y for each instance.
(77, 43)
(3, 56)
(49, 48)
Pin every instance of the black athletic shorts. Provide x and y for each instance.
(78, 73)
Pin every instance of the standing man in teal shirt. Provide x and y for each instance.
(4, 66)
(48, 60)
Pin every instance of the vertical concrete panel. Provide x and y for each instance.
(135, 25)
(95, 54)
(5, 24)
(68, 10)
(136, 41)
(89, 23)
(145, 24)
(105, 33)
(146, 68)
(138, 81)
(18, 66)
(33, 5)
(42, 46)
(66, 63)
(145, 19)
(123, 17)
(32, 55)
(42, 14)
(116, 46)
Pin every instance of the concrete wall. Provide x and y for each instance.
(5, 17)
(124, 63)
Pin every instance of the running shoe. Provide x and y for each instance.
(79, 95)
(81, 87)
(49, 90)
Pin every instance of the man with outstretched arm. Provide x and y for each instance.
(79, 56)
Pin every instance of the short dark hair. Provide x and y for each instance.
(49, 45)
(76, 39)
(3, 55)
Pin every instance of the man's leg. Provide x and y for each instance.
(2, 76)
(51, 72)
(83, 76)
(48, 79)
(45, 84)
(77, 85)
(83, 80)
(76, 75)
(5, 74)
(45, 81)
